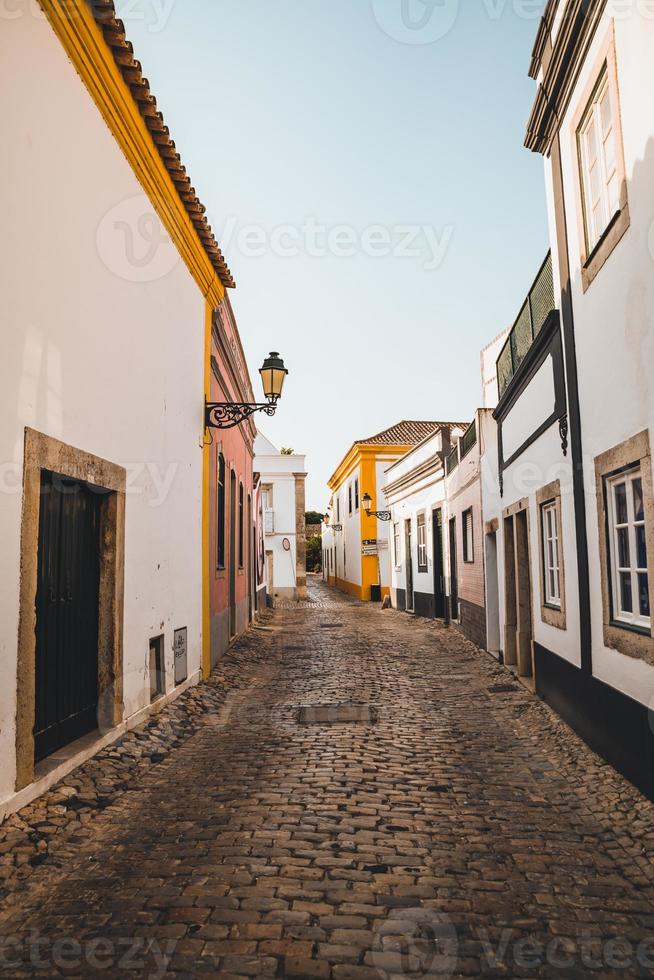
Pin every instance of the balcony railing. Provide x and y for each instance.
(537, 307)
(469, 439)
(453, 460)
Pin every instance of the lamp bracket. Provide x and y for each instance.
(381, 515)
(226, 415)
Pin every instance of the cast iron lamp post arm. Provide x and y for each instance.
(226, 415)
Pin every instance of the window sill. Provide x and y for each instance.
(631, 628)
(553, 616)
(600, 253)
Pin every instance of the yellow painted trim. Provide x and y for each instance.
(206, 497)
(349, 588)
(369, 563)
(87, 49)
(356, 454)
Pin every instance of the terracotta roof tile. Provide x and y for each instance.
(404, 434)
(113, 30)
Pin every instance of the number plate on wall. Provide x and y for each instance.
(181, 657)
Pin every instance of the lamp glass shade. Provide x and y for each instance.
(367, 502)
(327, 519)
(273, 374)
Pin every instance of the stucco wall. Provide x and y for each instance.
(94, 354)
(614, 318)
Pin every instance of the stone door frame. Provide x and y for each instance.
(42, 452)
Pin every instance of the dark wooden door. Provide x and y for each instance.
(409, 566)
(454, 583)
(439, 572)
(67, 599)
(232, 554)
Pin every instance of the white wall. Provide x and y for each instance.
(277, 470)
(348, 542)
(614, 318)
(108, 365)
(422, 494)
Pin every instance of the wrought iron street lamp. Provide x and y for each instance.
(334, 527)
(225, 415)
(381, 515)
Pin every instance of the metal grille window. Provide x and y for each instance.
(551, 555)
(356, 494)
(397, 545)
(349, 499)
(220, 513)
(468, 539)
(422, 544)
(598, 162)
(628, 549)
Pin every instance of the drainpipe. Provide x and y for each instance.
(574, 410)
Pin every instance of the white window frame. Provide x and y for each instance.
(468, 537)
(397, 545)
(421, 539)
(607, 201)
(620, 616)
(549, 529)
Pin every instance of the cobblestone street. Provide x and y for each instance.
(462, 830)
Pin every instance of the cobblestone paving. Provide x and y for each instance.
(466, 832)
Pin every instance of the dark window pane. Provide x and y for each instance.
(621, 503)
(623, 548)
(641, 547)
(638, 500)
(626, 599)
(643, 594)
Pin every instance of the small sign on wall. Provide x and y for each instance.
(180, 646)
(369, 548)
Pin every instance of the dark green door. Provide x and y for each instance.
(67, 599)
(439, 572)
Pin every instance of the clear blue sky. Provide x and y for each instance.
(329, 110)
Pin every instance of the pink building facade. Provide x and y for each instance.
(234, 497)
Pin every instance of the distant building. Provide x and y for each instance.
(465, 527)
(357, 557)
(415, 492)
(282, 478)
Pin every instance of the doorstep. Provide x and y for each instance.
(55, 767)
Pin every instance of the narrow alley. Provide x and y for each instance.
(425, 815)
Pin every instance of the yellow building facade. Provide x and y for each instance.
(356, 547)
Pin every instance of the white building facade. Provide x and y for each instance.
(282, 478)
(593, 121)
(102, 424)
(415, 493)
